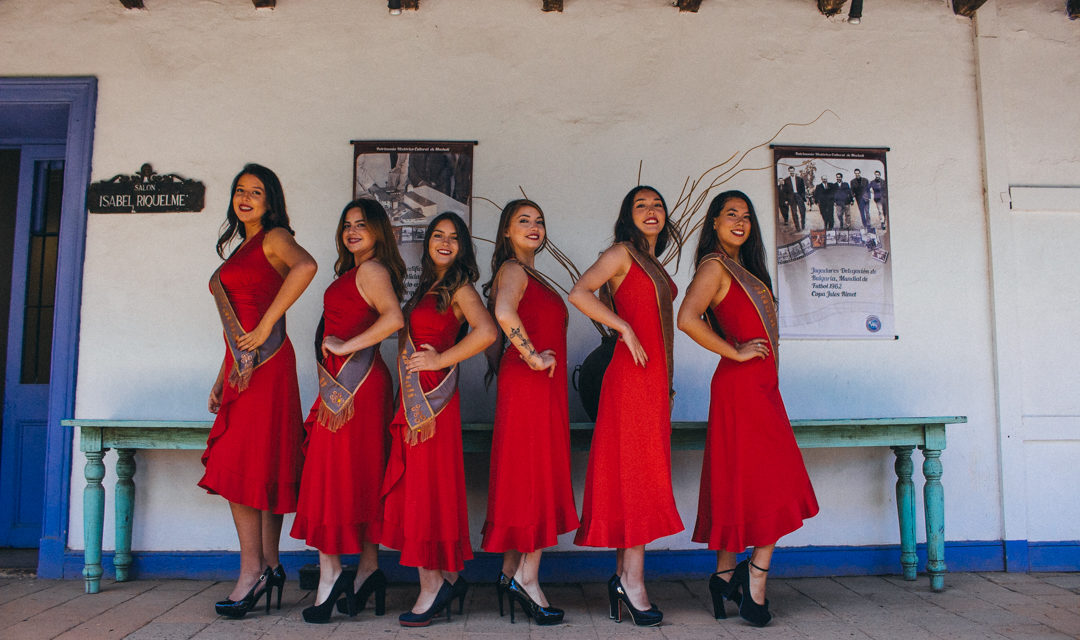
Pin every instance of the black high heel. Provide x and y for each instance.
(320, 613)
(460, 589)
(720, 589)
(647, 618)
(611, 595)
(541, 615)
(277, 579)
(500, 590)
(754, 613)
(374, 583)
(239, 608)
(442, 601)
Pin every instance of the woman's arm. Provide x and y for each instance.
(298, 267)
(613, 266)
(481, 335)
(511, 283)
(709, 286)
(373, 282)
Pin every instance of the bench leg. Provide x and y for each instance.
(905, 509)
(934, 497)
(93, 519)
(125, 507)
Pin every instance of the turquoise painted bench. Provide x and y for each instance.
(902, 435)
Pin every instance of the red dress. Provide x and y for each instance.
(340, 507)
(253, 455)
(424, 514)
(530, 498)
(628, 498)
(754, 486)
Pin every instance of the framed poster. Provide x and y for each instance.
(414, 182)
(834, 274)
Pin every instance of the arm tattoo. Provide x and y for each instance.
(525, 343)
(515, 332)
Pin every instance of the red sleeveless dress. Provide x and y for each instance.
(340, 506)
(628, 496)
(754, 486)
(424, 512)
(530, 498)
(253, 455)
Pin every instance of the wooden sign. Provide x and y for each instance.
(145, 192)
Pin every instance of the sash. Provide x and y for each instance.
(420, 407)
(664, 299)
(244, 362)
(336, 392)
(759, 295)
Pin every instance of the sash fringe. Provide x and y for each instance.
(333, 421)
(239, 380)
(420, 433)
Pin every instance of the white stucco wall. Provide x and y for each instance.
(564, 105)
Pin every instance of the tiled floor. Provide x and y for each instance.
(974, 605)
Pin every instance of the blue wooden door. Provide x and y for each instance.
(29, 344)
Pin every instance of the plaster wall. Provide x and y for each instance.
(564, 106)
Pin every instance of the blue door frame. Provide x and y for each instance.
(80, 96)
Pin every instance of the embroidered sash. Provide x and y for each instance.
(421, 408)
(244, 362)
(336, 392)
(664, 299)
(759, 295)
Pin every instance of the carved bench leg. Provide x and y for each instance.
(93, 519)
(934, 496)
(125, 507)
(905, 509)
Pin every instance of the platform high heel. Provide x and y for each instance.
(460, 590)
(540, 615)
(500, 590)
(277, 579)
(720, 588)
(320, 613)
(239, 608)
(643, 618)
(441, 602)
(754, 613)
(373, 584)
(611, 595)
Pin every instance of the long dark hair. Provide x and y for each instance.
(275, 215)
(627, 231)
(504, 250)
(463, 270)
(751, 253)
(386, 251)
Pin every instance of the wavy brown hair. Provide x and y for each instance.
(463, 270)
(627, 231)
(386, 250)
(751, 253)
(275, 215)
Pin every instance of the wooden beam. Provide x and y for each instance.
(966, 8)
(1072, 7)
(689, 5)
(830, 7)
(132, 4)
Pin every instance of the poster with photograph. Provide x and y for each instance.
(833, 274)
(414, 182)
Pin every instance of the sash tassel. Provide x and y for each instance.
(332, 421)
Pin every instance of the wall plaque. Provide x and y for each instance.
(145, 192)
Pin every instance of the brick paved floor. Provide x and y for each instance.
(974, 605)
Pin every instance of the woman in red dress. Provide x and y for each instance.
(252, 455)
(424, 515)
(628, 497)
(754, 486)
(339, 510)
(530, 498)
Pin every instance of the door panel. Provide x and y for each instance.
(29, 345)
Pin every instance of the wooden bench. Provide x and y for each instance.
(902, 435)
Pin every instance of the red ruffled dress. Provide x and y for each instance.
(530, 497)
(340, 506)
(424, 512)
(628, 496)
(253, 455)
(754, 485)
